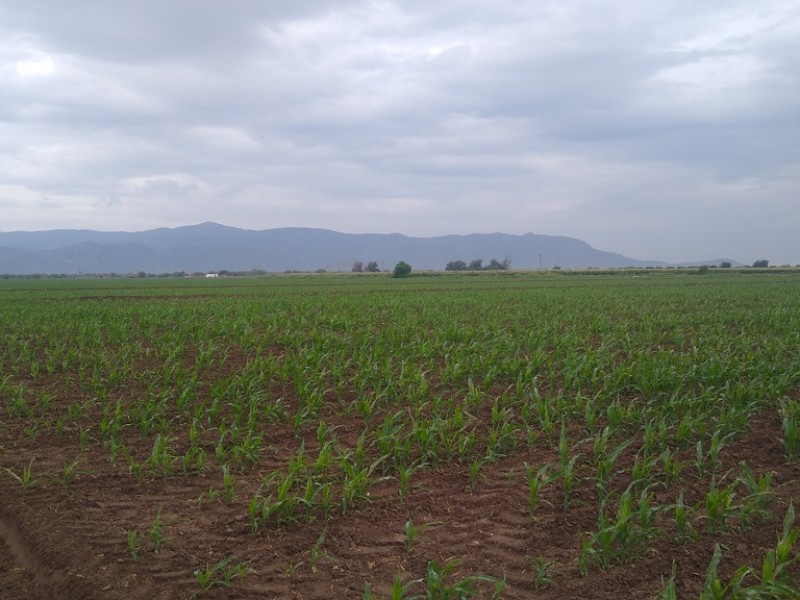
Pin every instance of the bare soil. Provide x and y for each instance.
(70, 541)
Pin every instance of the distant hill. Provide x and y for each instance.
(213, 247)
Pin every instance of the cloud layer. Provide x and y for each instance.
(658, 130)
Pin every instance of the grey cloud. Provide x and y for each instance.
(610, 121)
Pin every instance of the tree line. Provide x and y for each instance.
(477, 265)
(372, 267)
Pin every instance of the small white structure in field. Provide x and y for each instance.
(210, 275)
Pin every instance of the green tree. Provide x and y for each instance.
(456, 265)
(401, 269)
(372, 267)
(495, 265)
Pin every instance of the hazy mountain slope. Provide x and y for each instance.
(210, 247)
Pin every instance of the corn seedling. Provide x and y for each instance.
(404, 478)
(683, 527)
(400, 590)
(790, 422)
(543, 572)
(222, 574)
(157, 536)
(227, 482)
(438, 586)
(775, 567)
(670, 591)
(604, 461)
(759, 492)
(291, 568)
(474, 473)
(536, 480)
(317, 553)
(25, 479)
(642, 474)
(569, 479)
(161, 457)
(619, 540)
(412, 532)
(671, 466)
(209, 496)
(133, 541)
(713, 588)
(68, 473)
(357, 481)
(720, 507)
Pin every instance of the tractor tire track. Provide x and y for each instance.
(45, 581)
(24, 557)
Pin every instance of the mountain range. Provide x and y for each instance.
(210, 247)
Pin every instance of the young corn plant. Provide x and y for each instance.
(404, 480)
(543, 568)
(713, 588)
(356, 481)
(604, 461)
(720, 507)
(568, 469)
(475, 473)
(790, 422)
(546, 416)
(536, 481)
(439, 587)
(223, 574)
(400, 590)
(157, 535)
(25, 479)
(672, 466)
(643, 471)
(412, 532)
(621, 539)
(317, 553)
(760, 496)
(193, 460)
(133, 540)
(227, 481)
(670, 591)
(282, 507)
(68, 473)
(775, 567)
(684, 531)
(162, 456)
(707, 463)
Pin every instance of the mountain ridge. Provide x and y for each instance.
(210, 246)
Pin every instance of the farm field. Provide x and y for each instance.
(511, 435)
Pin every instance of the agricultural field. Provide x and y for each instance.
(511, 435)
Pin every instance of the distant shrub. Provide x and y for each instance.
(456, 265)
(401, 269)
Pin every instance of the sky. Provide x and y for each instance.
(662, 130)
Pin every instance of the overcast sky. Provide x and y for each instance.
(661, 130)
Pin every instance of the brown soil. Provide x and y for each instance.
(70, 541)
